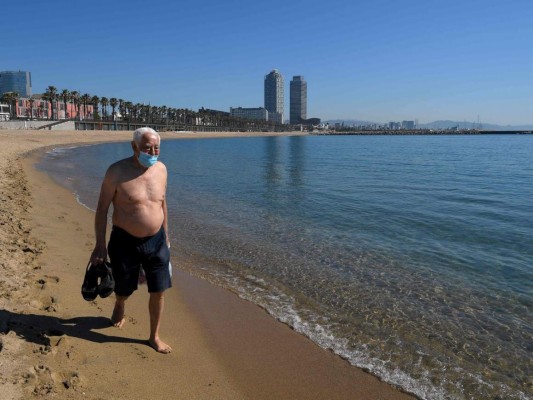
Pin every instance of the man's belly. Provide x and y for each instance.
(139, 223)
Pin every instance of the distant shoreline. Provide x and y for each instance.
(420, 132)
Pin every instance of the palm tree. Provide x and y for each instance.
(163, 114)
(104, 101)
(51, 95)
(154, 112)
(137, 109)
(41, 109)
(85, 100)
(75, 96)
(95, 100)
(65, 95)
(113, 103)
(31, 100)
(122, 108)
(129, 110)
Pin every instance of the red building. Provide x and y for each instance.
(36, 107)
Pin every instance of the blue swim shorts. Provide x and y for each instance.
(128, 253)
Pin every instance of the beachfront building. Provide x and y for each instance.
(259, 113)
(298, 100)
(16, 82)
(37, 107)
(5, 112)
(274, 96)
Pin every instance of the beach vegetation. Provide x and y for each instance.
(75, 97)
(104, 102)
(113, 102)
(51, 96)
(65, 96)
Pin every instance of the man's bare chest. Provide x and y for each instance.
(139, 191)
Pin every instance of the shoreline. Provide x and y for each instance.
(55, 343)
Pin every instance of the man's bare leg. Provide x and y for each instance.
(117, 319)
(155, 306)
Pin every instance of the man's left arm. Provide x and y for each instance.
(165, 223)
(165, 212)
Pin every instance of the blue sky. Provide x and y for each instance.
(376, 60)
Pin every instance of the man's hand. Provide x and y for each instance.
(99, 255)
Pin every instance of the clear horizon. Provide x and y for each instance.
(371, 60)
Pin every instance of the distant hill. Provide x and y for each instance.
(474, 125)
(444, 124)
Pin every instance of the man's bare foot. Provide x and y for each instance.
(117, 319)
(159, 346)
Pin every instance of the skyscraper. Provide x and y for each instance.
(15, 81)
(274, 96)
(298, 100)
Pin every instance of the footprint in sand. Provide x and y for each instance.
(71, 380)
(68, 352)
(139, 352)
(47, 279)
(40, 377)
(94, 303)
(44, 350)
(51, 304)
(52, 278)
(42, 283)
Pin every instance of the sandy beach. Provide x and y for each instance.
(54, 344)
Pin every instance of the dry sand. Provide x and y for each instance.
(53, 344)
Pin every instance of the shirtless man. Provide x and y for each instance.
(136, 187)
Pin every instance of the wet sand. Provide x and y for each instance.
(54, 344)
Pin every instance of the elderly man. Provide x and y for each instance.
(136, 187)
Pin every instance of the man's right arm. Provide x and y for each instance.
(107, 192)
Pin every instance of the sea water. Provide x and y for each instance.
(409, 256)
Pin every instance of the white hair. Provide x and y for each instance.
(138, 134)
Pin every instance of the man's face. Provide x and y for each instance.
(149, 145)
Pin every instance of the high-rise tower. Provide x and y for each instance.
(274, 96)
(298, 100)
(15, 81)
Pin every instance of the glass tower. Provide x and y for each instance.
(274, 95)
(15, 81)
(298, 100)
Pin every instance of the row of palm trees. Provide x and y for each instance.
(128, 111)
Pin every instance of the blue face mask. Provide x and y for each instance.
(147, 160)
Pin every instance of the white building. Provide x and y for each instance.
(4, 112)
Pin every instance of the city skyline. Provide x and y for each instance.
(371, 60)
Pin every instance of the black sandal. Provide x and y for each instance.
(89, 288)
(107, 283)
